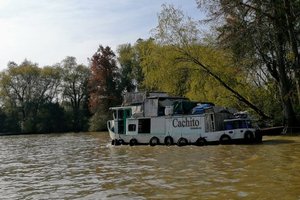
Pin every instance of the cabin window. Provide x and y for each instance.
(128, 113)
(144, 126)
(228, 125)
(120, 114)
(237, 124)
(132, 127)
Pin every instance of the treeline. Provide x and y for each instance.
(250, 60)
(66, 97)
(48, 99)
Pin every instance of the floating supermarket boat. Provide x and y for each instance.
(156, 118)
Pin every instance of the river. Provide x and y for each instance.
(84, 166)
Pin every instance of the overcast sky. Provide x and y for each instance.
(46, 31)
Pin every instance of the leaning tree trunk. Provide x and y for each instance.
(284, 81)
(288, 111)
(291, 19)
(285, 93)
(190, 58)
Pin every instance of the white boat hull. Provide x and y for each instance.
(190, 134)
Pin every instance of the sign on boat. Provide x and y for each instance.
(157, 118)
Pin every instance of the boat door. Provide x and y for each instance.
(122, 115)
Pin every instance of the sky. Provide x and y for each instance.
(47, 31)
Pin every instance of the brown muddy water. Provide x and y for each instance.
(84, 166)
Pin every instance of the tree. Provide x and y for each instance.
(162, 71)
(24, 89)
(265, 32)
(130, 58)
(127, 62)
(74, 86)
(9, 123)
(51, 119)
(183, 34)
(103, 86)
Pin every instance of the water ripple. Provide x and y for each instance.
(83, 166)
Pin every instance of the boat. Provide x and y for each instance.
(159, 119)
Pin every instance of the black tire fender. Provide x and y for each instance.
(121, 141)
(201, 141)
(133, 142)
(154, 141)
(182, 142)
(168, 141)
(113, 142)
(249, 136)
(225, 139)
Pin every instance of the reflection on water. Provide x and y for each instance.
(84, 166)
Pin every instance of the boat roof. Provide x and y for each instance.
(164, 98)
(120, 107)
(236, 119)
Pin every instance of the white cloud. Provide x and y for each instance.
(46, 31)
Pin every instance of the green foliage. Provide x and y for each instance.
(181, 62)
(162, 72)
(129, 58)
(30, 97)
(24, 89)
(9, 123)
(75, 91)
(127, 63)
(265, 34)
(51, 119)
(98, 120)
(166, 71)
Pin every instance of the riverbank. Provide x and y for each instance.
(45, 133)
(280, 130)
